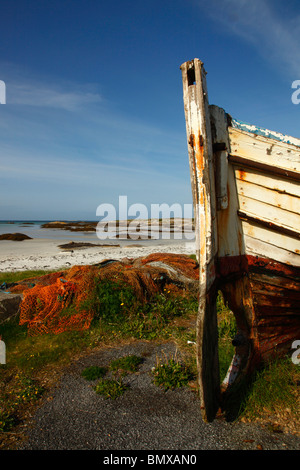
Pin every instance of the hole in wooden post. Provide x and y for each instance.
(191, 76)
(227, 329)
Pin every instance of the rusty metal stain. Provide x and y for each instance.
(241, 174)
(197, 145)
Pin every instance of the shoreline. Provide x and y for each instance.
(45, 254)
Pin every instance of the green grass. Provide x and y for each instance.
(110, 388)
(126, 364)
(119, 312)
(93, 372)
(10, 277)
(171, 374)
(273, 389)
(120, 317)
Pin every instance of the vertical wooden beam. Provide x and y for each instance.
(200, 150)
(220, 140)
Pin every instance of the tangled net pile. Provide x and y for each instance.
(56, 302)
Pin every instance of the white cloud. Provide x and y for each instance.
(37, 94)
(264, 24)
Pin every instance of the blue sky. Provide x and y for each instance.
(94, 105)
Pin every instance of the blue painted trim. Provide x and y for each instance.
(243, 126)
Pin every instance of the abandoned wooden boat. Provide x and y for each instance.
(245, 185)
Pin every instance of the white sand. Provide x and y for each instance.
(44, 253)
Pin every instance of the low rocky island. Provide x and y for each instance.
(72, 226)
(78, 245)
(18, 237)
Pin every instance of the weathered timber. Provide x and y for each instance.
(246, 190)
(203, 186)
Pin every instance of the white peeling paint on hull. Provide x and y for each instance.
(263, 149)
(250, 128)
(264, 249)
(290, 248)
(270, 197)
(270, 181)
(269, 213)
(268, 202)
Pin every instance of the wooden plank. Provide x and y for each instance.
(278, 281)
(269, 196)
(261, 149)
(275, 295)
(270, 226)
(272, 181)
(271, 237)
(266, 168)
(263, 249)
(267, 212)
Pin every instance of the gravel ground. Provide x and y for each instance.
(145, 417)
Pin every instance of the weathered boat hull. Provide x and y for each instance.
(265, 299)
(245, 184)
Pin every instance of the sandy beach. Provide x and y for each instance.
(45, 254)
(55, 248)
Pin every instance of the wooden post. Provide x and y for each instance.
(200, 150)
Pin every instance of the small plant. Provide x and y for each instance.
(28, 390)
(171, 375)
(6, 421)
(93, 372)
(126, 363)
(110, 388)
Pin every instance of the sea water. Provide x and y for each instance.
(34, 229)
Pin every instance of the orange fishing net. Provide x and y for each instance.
(45, 308)
(55, 303)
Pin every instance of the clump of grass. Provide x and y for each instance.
(93, 372)
(171, 374)
(110, 388)
(126, 363)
